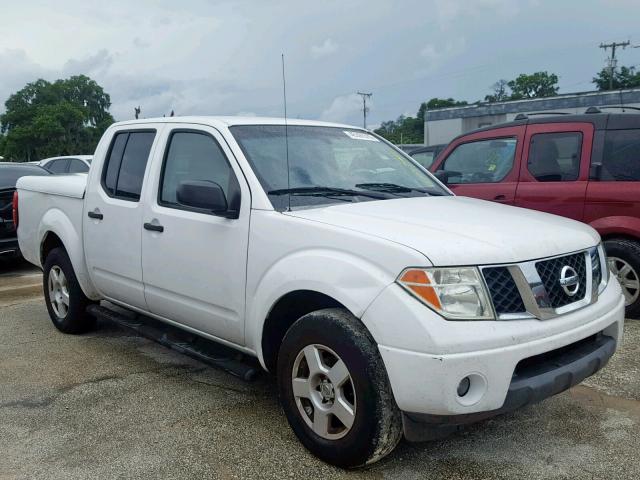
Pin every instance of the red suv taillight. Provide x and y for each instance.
(14, 210)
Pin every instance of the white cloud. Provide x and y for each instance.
(325, 49)
(435, 54)
(344, 109)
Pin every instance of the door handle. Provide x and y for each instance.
(500, 198)
(153, 227)
(95, 214)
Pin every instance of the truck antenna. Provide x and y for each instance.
(286, 133)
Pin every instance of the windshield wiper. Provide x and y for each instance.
(395, 188)
(325, 191)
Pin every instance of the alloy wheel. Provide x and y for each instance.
(324, 392)
(627, 277)
(58, 291)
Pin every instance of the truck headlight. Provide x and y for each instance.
(456, 293)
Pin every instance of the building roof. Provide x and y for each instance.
(563, 101)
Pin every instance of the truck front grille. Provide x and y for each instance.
(544, 288)
(503, 290)
(550, 271)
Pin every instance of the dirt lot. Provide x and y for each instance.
(111, 404)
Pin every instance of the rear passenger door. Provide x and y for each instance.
(613, 194)
(484, 165)
(555, 168)
(113, 217)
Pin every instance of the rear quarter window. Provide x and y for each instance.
(621, 156)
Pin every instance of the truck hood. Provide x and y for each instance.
(459, 230)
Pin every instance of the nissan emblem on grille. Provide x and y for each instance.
(569, 280)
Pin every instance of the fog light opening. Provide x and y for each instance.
(463, 386)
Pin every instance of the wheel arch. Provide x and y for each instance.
(57, 230)
(284, 313)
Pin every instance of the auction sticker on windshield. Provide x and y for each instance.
(354, 134)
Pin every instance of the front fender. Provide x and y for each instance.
(57, 222)
(617, 225)
(349, 279)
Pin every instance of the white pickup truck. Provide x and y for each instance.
(383, 303)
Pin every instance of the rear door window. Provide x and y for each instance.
(621, 157)
(555, 157)
(77, 166)
(482, 161)
(57, 166)
(127, 161)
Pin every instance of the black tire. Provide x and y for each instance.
(377, 423)
(629, 252)
(75, 320)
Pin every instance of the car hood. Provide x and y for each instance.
(459, 230)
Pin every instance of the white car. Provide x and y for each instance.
(70, 164)
(383, 303)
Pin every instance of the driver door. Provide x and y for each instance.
(484, 165)
(194, 260)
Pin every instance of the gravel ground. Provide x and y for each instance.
(111, 404)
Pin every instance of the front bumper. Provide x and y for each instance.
(437, 354)
(535, 379)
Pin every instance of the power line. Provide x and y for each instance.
(364, 96)
(612, 58)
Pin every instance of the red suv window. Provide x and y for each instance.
(481, 161)
(621, 157)
(555, 157)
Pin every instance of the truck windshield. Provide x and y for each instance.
(329, 165)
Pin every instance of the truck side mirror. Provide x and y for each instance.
(204, 195)
(595, 171)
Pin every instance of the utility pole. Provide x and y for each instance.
(365, 96)
(612, 58)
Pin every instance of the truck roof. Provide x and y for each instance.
(228, 121)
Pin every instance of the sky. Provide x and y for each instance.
(224, 57)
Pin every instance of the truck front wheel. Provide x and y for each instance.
(66, 302)
(335, 391)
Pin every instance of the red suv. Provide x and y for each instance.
(585, 167)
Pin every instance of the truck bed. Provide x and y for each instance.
(57, 200)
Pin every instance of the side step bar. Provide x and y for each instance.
(189, 344)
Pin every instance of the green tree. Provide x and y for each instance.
(410, 129)
(61, 118)
(500, 93)
(625, 77)
(402, 130)
(536, 85)
(436, 103)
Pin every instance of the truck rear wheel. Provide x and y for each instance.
(335, 391)
(624, 263)
(66, 302)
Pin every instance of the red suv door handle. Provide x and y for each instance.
(500, 198)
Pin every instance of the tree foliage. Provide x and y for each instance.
(625, 77)
(410, 129)
(535, 85)
(500, 93)
(61, 118)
